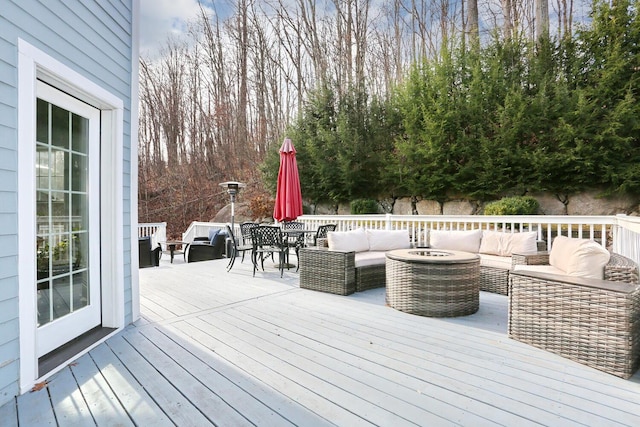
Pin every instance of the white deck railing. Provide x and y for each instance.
(599, 228)
(201, 229)
(620, 233)
(157, 231)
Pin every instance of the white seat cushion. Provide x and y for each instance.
(347, 241)
(539, 269)
(495, 261)
(579, 257)
(456, 240)
(364, 259)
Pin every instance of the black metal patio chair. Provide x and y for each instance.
(267, 240)
(245, 233)
(322, 232)
(236, 247)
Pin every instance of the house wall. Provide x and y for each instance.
(95, 39)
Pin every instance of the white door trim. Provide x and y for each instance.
(35, 64)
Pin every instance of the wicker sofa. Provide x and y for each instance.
(352, 266)
(353, 261)
(581, 303)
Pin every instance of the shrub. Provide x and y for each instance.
(261, 206)
(364, 206)
(525, 205)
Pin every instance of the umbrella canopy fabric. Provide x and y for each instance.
(288, 195)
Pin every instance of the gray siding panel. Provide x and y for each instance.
(93, 38)
(8, 205)
(8, 180)
(8, 292)
(8, 118)
(9, 270)
(8, 158)
(8, 246)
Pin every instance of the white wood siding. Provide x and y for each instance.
(94, 39)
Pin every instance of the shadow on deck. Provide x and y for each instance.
(228, 349)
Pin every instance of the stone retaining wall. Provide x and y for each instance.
(586, 203)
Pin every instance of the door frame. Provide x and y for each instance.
(34, 64)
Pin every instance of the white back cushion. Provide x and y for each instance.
(387, 240)
(347, 241)
(579, 257)
(522, 242)
(505, 244)
(467, 241)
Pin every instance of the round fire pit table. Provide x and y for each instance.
(433, 282)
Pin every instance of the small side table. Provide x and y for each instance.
(171, 246)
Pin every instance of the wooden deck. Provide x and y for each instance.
(227, 349)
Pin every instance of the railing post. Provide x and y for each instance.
(388, 221)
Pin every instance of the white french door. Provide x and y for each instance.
(67, 246)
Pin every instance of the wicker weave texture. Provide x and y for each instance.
(596, 327)
(534, 258)
(494, 280)
(370, 277)
(435, 290)
(621, 269)
(327, 271)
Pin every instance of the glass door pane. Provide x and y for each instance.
(62, 174)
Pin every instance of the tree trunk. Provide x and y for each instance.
(542, 19)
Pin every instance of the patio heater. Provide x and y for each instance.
(232, 188)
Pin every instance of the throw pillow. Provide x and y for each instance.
(213, 232)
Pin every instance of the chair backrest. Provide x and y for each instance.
(266, 236)
(322, 232)
(293, 225)
(245, 231)
(145, 255)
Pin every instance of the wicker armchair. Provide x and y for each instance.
(591, 321)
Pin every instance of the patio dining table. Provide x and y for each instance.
(290, 238)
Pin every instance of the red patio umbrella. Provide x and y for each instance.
(288, 195)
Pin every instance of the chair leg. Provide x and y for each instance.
(262, 260)
(254, 260)
(232, 259)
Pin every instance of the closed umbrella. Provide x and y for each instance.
(288, 195)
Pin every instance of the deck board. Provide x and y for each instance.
(224, 390)
(69, 405)
(35, 409)
(133, 397)
(172, 400)
(218, 348)
(101, 400)
(9, 414)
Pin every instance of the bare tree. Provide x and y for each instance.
(542, 19)
(473, 28)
